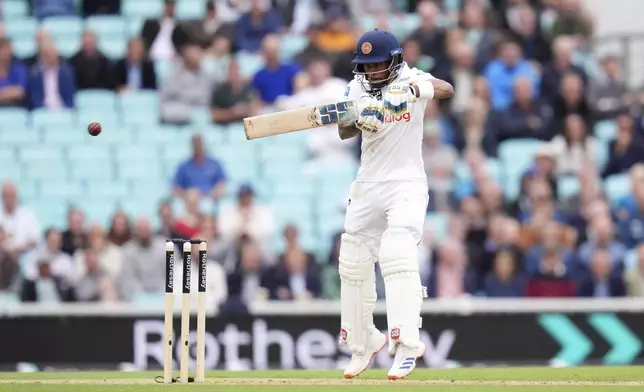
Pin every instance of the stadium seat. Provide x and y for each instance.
(29, 189)
(113, 48)
(140, 154)
(11, 171)
(98, 210)
(51, 211)
(518, 152)
(63, 26)
(605, 130)
(13, 117)
(249, 64)
(19, 136)
(567, 186)
(292, 45)
(111, 189)
(46, 170)
(16, 28)
(68, 46)
(40, 153)
(437, 224)
(107, 26)
(98, 154)
(95, 99)
(190, 9)
(7, 154)
(43, 118)
(134, 27)
(616, 187)
(92, 172)
(71, 137)
(14, 9)
(150, 171)
(142, 8)
(69, 190)
(24, 46)
(149, 189)
(133, 101)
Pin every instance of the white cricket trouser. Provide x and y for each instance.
(375, 206)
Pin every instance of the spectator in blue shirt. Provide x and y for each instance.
(52, 83)
(13, 77)
(253, 26)
(200, 171)
(502, 72)
(277, 77)
(45, 8)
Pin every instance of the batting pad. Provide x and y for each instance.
(404, 292)
(357, 292)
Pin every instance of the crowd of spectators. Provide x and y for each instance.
(521, 69)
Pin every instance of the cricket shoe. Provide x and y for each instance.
(405, 361)
(376, 341)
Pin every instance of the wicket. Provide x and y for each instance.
(185, 311)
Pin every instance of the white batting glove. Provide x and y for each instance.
(371, 114)
(396, 96)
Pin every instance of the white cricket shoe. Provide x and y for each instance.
(376, 341)
(405, 361)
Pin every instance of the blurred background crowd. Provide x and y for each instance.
(535, 166)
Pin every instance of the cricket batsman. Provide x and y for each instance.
(387, 204)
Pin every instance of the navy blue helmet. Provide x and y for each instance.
(378, 46)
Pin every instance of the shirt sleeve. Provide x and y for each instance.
(353, 90)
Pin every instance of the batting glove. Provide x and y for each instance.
(371, 116)
(396, 97)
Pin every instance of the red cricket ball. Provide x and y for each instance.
(94, 128)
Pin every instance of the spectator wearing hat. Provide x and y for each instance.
(247, 220)
(201, 171)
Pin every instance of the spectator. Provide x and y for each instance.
(451, 276)
(571, 100)
(120, 231)
(573, 20)
(414, 57)
(13, 77)
(631, 220)
(502, 72)
(205, 31)
(608, 94)
(74, 237)
(189, 225)
(336, 34)
(575, 149)
(186, 88)
(561, 64)
(502, 235)
(247, 219)
(296, 275)
(143, 263)
(52, 83)
(277, 78)
(429, 35)
(477, 129)
(135, 71)
(461, 75)
(628, 204)
(159, 36)
(481, 38)
(19, 223)
(101, 7)
(602, 236)
(505, 280)
(528, 34)
(324, 146)
(634, 277)
(525, 117)
(543, 167)
(249, 282)
(440, 162)
(91, 67)
(49, 272)
(9, 270)
(231, 100)
(252, 27)
(96, 284)
(604, 280)
(551, 258)
(110, 256)
(330, 276)
(166, 217)
(43, 9)
(201, 171)
(626, 150)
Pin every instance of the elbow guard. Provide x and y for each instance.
(425, 90)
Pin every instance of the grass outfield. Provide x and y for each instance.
(426, 380)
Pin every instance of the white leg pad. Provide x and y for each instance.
(404, 292)
(357, 292)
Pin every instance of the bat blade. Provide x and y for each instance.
(299, 119)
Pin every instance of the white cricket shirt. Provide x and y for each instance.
(394, 153)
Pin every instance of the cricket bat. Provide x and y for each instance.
(299, 119)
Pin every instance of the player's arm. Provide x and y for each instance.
(433, 89)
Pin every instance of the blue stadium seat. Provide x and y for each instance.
(95, 99)
(41, 153)
(7, 154)
(141, 8)
(98, 209)
(617, 186)
(166, 135)
(292, 45)
(63, 137)
(140, 154)
(42, 118)
(11, 171)
(602, 153)
(190, 9)
(107, 26)
(126, 170)
(201, 117)
(438, 224)
(13, 117)
(134, 26)
(567, 186)
(14, 9)
(606, 130)
(518, 152)
(114, 47)
(249, 64)
(24, 46)
(99, 154)
(149, 189)
(29, 189)
(63, 26)
(19, 136)
(51, 212)
(68, 46)
(133, 101)
(161, 68)
(92, 172)
(46, 170)
(9, 301)
(69, 190)
(16, 28)
(111, 189)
